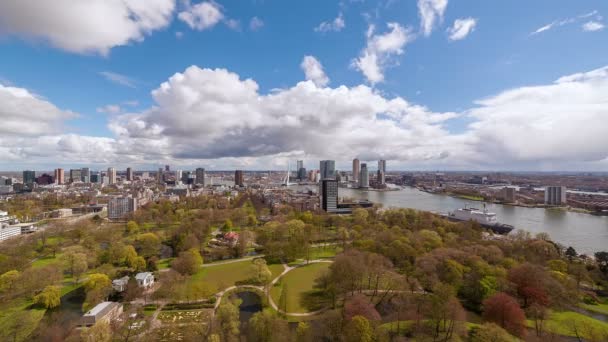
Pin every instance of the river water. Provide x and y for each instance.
(586, 233)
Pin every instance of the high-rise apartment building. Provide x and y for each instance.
(119, 207)
(555, 195)
(364, 177)
(239, 180)
(130, 177)
(381, 180)
(329, 195)
(200, 176)
(186, 177)
(159, 175)
(111, 175)
(75, 175)
(356, 168)
(327, 169)
(29, 177)
(85, 175)
(59, 176)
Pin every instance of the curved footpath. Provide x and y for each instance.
(266, 290)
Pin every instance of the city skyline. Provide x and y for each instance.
(426, 85)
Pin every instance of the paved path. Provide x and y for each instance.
(232, 261)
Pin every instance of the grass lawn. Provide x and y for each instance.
(300, 284)
(15, 316)
(324, 252)
(601, 308)
(164, 263)
(562, 323)
(45, 261)
(222, 276)
(276, 269)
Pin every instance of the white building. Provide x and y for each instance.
(555, 195)
(102, 312)
(120, 284)
(119, 207)
(144, 279)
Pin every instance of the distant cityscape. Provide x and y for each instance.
(119, 193)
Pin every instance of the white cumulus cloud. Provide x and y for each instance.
(431, 13)
(462, 28)
(380, 51)
(202, 16)
(25, 114)
(313, 70)
(92, 26)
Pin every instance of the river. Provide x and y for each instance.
(586, 233)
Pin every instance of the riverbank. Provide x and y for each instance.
(586, 233)
(522, 205)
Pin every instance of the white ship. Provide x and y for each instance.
(483, 217)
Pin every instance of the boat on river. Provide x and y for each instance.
(485, 218)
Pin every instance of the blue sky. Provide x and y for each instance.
(439, 77)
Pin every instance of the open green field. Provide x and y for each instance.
(164, 263)
(15, 315)
(601, 308)
(276, 269)
(299, 282)
(222, 276)
(566, 322)
(49, 260)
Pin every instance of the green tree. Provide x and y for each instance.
(97, 286)
(283, 297)
(8, 280)
(148, 245)
(49, 298)
(490, 332)
(359, 330)
(188, 262)
(132, 227)
(228, 226)
(228, 319)
(262, 274)
(100, 332)
(266, 326)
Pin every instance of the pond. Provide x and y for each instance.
(251, 303)
(59, 322)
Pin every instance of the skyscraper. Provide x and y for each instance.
(329, 195)
(364, 177)
(29, 177)
(111, 175)
(328, 169)
(75, 175)
(178, 176)
(167, 168)
(159, 175)
(185, 178)
(300, 170)
(555, 195)
(59, 176)
(356, 168)
(200, 176)
(381, 179)
(238, 178)
(85, 175)
(130, 174)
